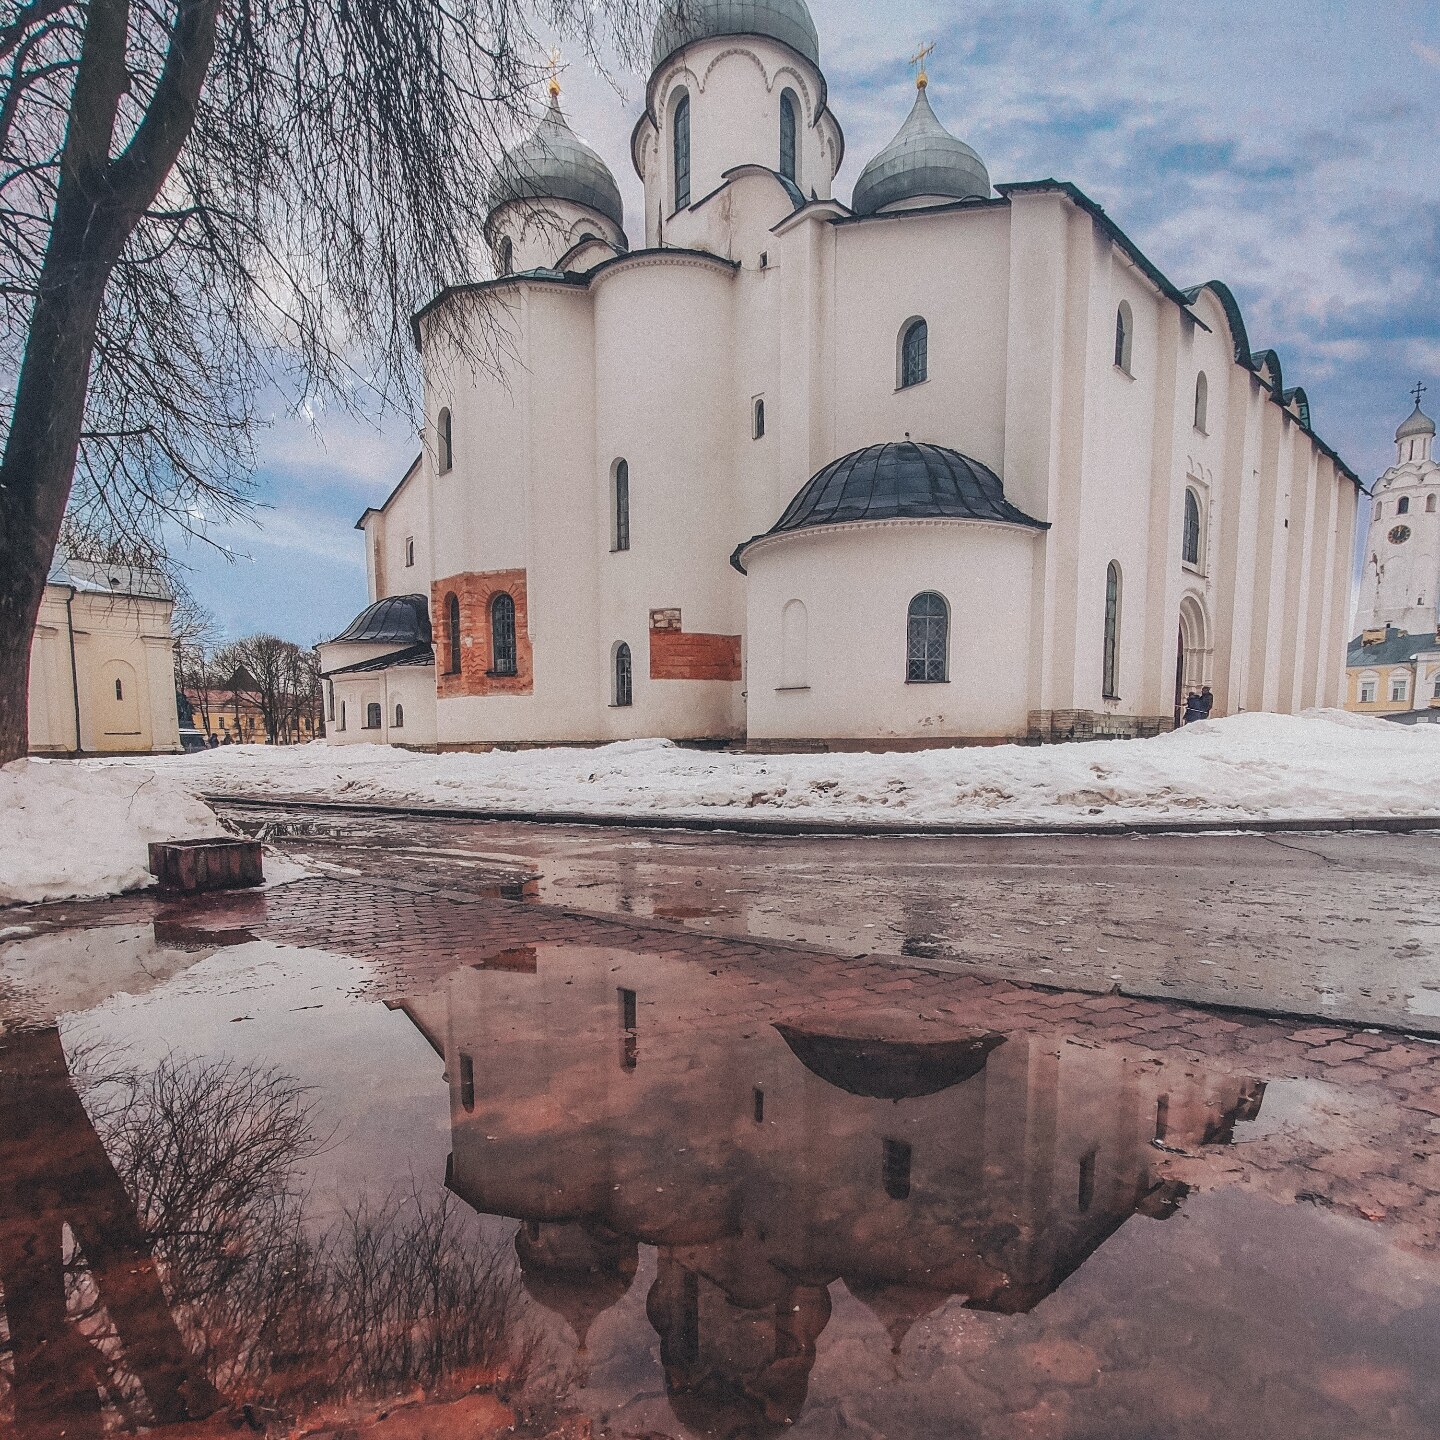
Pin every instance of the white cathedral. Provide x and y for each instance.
(953, 463)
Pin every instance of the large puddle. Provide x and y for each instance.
(615, 1184)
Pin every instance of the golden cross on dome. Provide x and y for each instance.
(1419, 393)
(918, 60)
(555, 68)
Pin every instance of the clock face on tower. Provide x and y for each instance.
(1400, 534)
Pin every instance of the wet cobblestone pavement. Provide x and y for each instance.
(273, 1160)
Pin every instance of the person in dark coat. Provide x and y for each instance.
(1207, 702)
(1194, 708)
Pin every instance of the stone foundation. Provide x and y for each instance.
(1056, 727)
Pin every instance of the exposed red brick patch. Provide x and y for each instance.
(476, 592)
(675, 655)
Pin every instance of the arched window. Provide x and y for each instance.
(789, 138)
(1191, 544)
(372, 716)
(682, 151)
(1430, 505)
(624, 688)
(502, 635)
(895, 1171)
(794, 646)
(621, 500)
(506, 264)
(1112, 632)
(1404, 506)
(759, 430)
(467, 1082)
(342, 715)
(914, 354)
(119, 689)
(1124, 336)
(928, 641)
(452, 618)
(399, 717)
(446, 437)
(1379, 510)
(1202, 402)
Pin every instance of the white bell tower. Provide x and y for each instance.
(1400, 583)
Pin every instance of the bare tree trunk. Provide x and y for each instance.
(98, 205)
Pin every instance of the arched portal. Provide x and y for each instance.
(1194, 653)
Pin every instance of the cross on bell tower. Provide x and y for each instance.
(1419, 392)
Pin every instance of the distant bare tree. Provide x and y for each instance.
(281, 679)
(190, 189)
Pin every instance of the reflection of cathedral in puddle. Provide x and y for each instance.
(609, 1101)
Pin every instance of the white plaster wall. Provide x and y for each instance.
(412, 687)
(406, 516)
(52, 703)
(856, 583)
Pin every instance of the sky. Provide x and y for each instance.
(1290, 149)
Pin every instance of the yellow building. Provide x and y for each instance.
(102, 663)
(1395, 675)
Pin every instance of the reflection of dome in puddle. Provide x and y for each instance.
(733, 1372)
(576, 1271)
(889, 1069)
(899, 1308)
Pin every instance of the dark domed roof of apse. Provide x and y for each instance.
(555, 164)
(887, 1069)
(923, 159)
(1418, 424)
(682, 22)
(892, 482)
(396, 620)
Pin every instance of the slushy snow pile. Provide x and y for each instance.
(1323, 765)
(77, 831)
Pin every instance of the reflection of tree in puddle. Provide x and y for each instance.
(157, 1260)
(768, 1163)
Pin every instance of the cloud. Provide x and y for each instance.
(1430, 54)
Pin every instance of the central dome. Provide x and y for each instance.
(898, 482)
(923, 160)
(682, 22)
(555, 164)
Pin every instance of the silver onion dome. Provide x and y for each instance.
(682, 22)
(555, 164)
(923, 159)
(1418, 424)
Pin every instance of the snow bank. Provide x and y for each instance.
(75, 831)
(1324, 765)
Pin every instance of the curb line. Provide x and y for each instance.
(778, 828)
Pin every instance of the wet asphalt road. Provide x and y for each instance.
(1337, 926)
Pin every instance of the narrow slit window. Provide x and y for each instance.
(467, 1082)
(1112, 633)
(446, 437)
(452, 618)
(1124, 337)
(1202, 402)
(759, 1106)
(789, 138)
(399, 717)
(1192, 528)
(624, 677)
(1086, 1197)
(502, 635)
(759, 429)
(682, 152)
(119, 689)
(622, 505)
(898, 1160)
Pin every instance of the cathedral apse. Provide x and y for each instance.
(608, 1102)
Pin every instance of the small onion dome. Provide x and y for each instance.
(555, 164)
(396, 620)
(892, 482)
(682, 22)
(923, 159)
(1418, 424)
